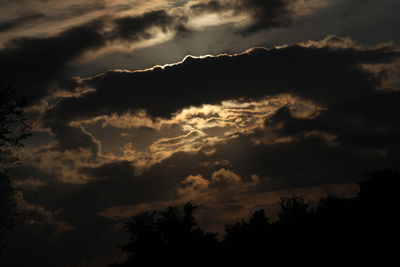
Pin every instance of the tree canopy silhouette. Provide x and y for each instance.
(169, 237)
(361, 231)
(13, 125)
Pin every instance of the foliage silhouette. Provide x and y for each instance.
(170, 237)
(361, 231)
(13, 129)
(13, 125)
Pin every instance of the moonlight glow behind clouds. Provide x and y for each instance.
(278, 97)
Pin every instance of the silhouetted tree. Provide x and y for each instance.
(359, 231)
(169, 237)
(13, 125)
(245, 242)
(293, 208)
(13, 129)
(9, 215)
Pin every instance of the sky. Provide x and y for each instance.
(232, 104)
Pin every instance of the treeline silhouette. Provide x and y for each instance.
(361, 231)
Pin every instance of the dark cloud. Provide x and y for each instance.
(34, 64)
(357, 131)
(354, 7)
(116, 184)
(137, 27)
(325, 75)
(19, 21)
(264, 14)
(367, 122)
(28, 16)
(123, 170)
(73, 11)
(112, 140)
(305, 161)
(73, 138)
(111, 184)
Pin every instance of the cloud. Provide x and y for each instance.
(307, 160)
(59, 52)
(38, 66)
(145, 141)
(159, 98)
(77, 206)
(19, 21)
(322, 116)
(365, 123)
(35, 64)
(74, 138)
(60, 49)
(325, 75)
(256, 175)
(263, 14)
(80, 9)
(234, 132)
(223, 185)
(138, 27)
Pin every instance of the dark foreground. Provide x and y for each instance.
(361, 231)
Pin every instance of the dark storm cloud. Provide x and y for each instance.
(19, 21)
(325, 75)
(264, 14)
(33, 64)
(36, 65)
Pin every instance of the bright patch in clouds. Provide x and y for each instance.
(201, 128)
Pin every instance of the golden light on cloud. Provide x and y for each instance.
(158, 36)
(62, 14)
(213, 19)
(201, 128)
(190, 130)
